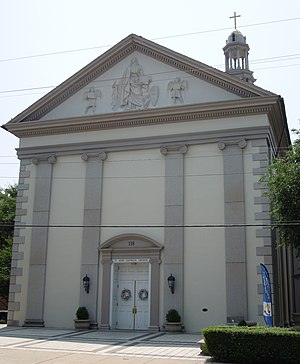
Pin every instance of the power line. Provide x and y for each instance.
(29, 94)
(283, 58)
(128, 177)
(98, 81)
(205, 154)
(26, 89)
(158, 226)
(260, 60)
(270, 59)
(282, 66)
(277, 58)
(158, 38)
(152, 176)
(53, 53)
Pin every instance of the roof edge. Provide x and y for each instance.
(122, 49)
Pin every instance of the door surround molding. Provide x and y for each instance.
(130, 246)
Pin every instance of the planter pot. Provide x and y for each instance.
(82, 324)
(203, 347)
(173, 326)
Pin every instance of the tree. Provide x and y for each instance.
(7, 217)
(283, 181)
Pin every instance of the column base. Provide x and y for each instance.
(154, 328)
(34, 323)
(104, 327)
(94, 325)
(13, 323)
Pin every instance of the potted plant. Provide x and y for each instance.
(82, 318)
(173, 320)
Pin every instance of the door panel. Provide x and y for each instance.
(142, 304)
(125, 305)
(132, 308)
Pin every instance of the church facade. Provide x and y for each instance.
(139, 192)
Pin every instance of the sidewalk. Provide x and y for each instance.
(57, 346)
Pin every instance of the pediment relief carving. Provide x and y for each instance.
(177, 89)
(91, 98)
(134, 90)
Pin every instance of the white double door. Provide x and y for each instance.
(132, 306)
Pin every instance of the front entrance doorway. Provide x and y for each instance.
(130, 283)
(131, 296)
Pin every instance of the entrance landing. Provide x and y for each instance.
(108, 343)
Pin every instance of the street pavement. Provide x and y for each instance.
(20, 345)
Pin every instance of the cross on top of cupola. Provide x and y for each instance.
(234, 17)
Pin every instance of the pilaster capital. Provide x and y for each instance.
(242, 143)
(155, 260)
(173, 149)
(106, 261)
(100, 156)
(50, 159)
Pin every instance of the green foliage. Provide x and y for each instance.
(173, 316)
(241, 344)
(82, 313)
(283, 182)
(7, 219)
(7, 213)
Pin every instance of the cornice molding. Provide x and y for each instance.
(95, 148)
(187, 113)
(205, 75)
(121, 50)
(82, 81)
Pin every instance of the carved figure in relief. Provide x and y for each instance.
(176, 88)
(132, 90)
(91, 97)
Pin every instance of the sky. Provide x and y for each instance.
(46, 41)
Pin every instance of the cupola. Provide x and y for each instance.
(236, 53)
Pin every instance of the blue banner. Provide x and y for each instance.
(267, 300)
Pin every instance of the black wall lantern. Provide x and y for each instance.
(171, 283)
(86, 283)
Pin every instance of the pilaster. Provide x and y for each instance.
(154, 298)
(91, 235)
(106, 284)
(235, 236)
(174, 220)
(39, 241)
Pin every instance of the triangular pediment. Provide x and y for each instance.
(137, 74)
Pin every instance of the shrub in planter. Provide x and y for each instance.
(82, 313)
(82, 316)
(173, 316)
(173, 321)
(242, 344)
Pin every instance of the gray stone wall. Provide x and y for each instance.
(19, 240)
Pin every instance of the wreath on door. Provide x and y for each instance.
(143, 294)
(125, 294)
